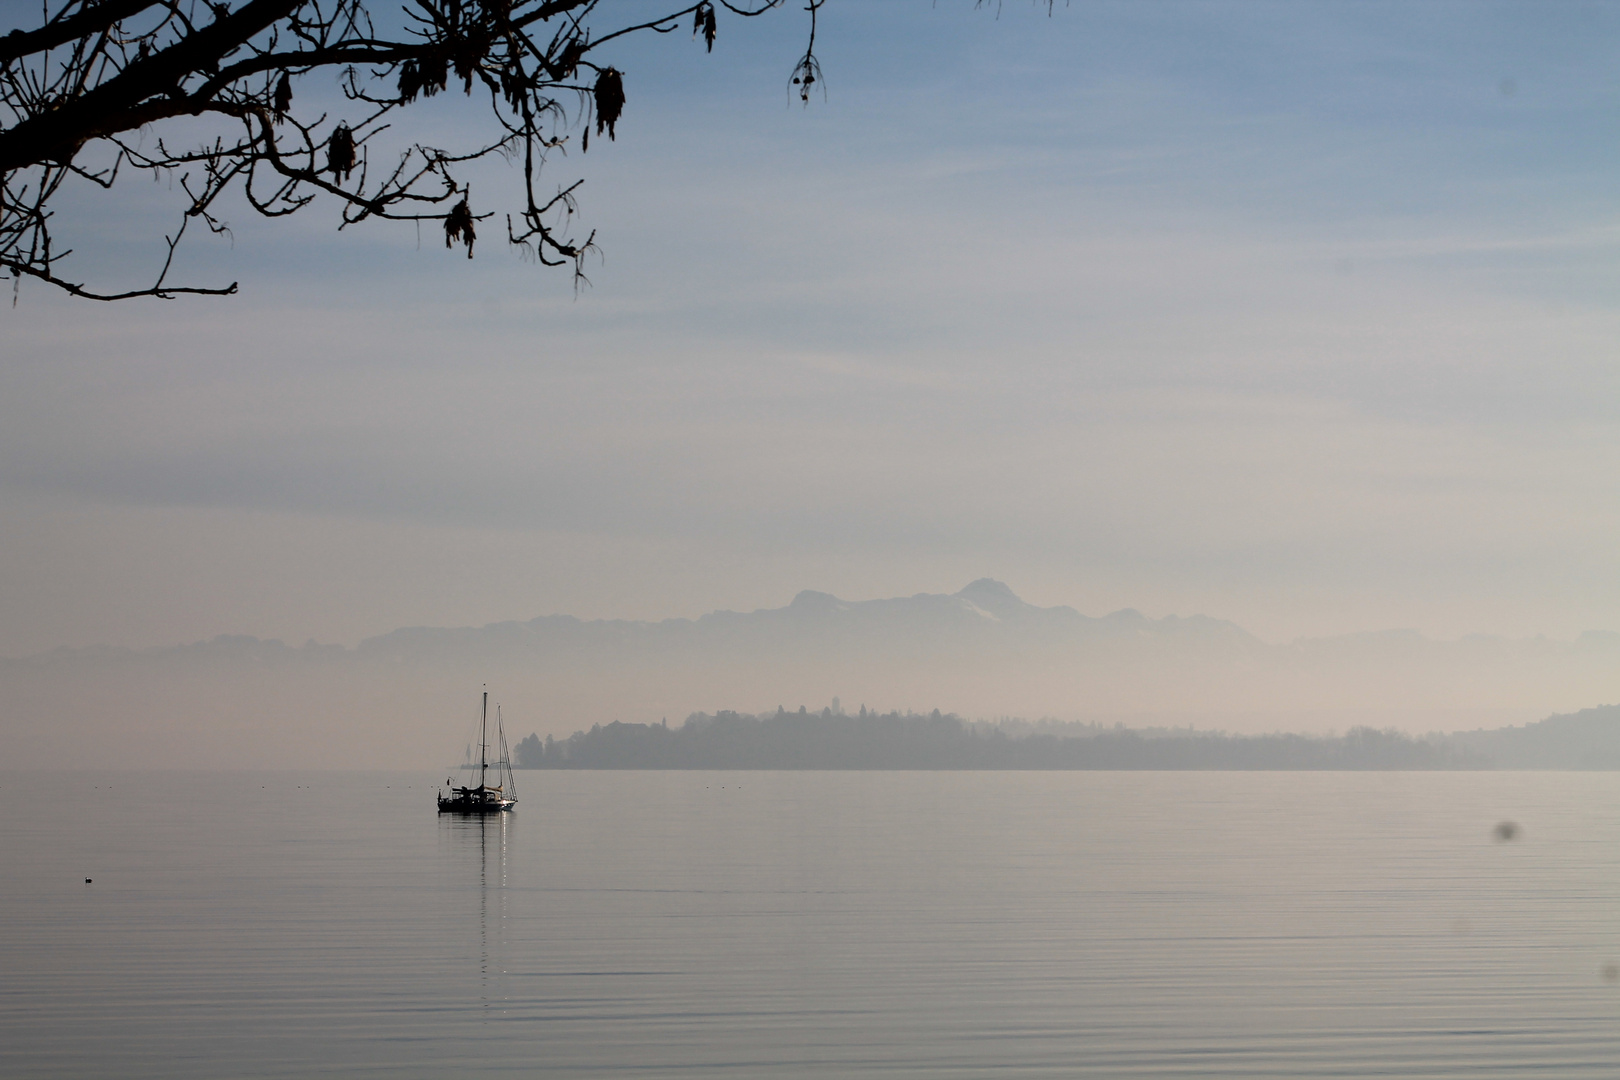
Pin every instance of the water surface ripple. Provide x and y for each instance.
(684, 924)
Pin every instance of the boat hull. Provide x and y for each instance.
(460, 806)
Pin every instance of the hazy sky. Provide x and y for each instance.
(1302, 315)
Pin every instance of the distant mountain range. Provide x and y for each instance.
(984, 617)
(401, 699)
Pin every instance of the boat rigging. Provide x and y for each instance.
(486, 798)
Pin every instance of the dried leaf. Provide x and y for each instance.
(514, 86)
(609, 100)
(468, 58)
(283, 98)
(410, 81)
(568, 62)
(458, 225)
(340, 152)
(426, 77)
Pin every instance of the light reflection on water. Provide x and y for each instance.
(827, 924)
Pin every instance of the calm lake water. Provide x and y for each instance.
(813, 924)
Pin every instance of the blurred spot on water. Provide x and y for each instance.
(1611, 972)
(1507, 830)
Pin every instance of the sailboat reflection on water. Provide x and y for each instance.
(485, 798)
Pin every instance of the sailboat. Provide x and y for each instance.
(485, 798)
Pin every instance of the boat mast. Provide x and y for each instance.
(483, 742)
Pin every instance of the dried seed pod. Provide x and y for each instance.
(568, 62)
(282, 101)
(467, 60)
(410, 81)
(514, 86)
(703, 23)
(609, 100)
(804, 74)
(458, 225)
(340, 152)
(426, 77)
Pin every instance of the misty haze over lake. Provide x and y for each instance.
(1081, 545)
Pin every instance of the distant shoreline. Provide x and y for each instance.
(833, 741)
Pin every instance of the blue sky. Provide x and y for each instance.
(1298, 314)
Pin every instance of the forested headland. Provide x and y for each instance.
(834, 740)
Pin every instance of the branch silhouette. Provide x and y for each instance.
(82, 93)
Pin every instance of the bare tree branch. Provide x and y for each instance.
(87, 95)
(86, 20)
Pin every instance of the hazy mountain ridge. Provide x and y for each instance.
(981, 610)
(982, 651)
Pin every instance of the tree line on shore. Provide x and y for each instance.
(832, 739)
